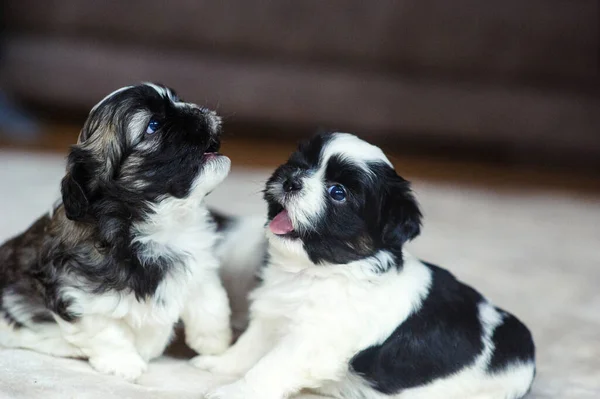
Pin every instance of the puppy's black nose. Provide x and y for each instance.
(292, 184)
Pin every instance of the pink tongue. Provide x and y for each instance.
(281, 224)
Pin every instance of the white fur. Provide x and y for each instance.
(241, 255)
(162, 91)
(109, 96)
(352, 149)
(312, 199)
(47, 340)
(21, 310)
(294, 342)
(475, 381)
(305, 208)
(213, 119)
(307, 323)
(137, 128)
(472, 382)
(118, 333)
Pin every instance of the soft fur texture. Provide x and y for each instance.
(129, 249)
(345, 311)
(529, 249)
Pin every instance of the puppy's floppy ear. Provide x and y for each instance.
(75, 195)
(400, 211)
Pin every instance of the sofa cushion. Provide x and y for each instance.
(540, 41)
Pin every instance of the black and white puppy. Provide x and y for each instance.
(345, 311)
(129, 249)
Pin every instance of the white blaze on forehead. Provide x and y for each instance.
(165, 92)
(109, 96)
(212, 118)
(309, 206)
(311, 203)
(160, 90)
(353, 149)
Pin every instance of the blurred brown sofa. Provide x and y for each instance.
(518, 73)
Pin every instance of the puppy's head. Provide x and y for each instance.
(142, 144)
(338, 200)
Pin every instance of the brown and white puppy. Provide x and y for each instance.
(129, 249)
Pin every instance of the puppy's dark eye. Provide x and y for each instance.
(337, 192)
(152, 126)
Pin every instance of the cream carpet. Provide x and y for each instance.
(535, 253)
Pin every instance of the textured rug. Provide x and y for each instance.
(535, 253)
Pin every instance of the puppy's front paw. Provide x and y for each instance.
(210, 344)
(237, 390)
(216, 364)
(127, 366)
(207, 363)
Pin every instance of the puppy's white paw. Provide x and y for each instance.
(237, 390)
(210, 344)
(216, 364)
(128, 366)
(207, 363)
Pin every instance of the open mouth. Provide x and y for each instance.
(213, 146)
(281, 225)
(209, 156)
(212, 151)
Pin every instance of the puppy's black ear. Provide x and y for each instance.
(73, 188)
(401, 213)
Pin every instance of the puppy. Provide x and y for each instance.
(129, 249)
(345, 311)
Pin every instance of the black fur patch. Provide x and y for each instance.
(309, 152)
(513, 343)
(344, 233)
(20, 273)
(379, 214)
(113, 175)
(439, 339)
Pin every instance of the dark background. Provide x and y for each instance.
(511, 81)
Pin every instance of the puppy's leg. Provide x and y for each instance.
(297, 362)
(238, 359)
(109, 345)
(44, 337)
(152, 340)
(206, 316)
